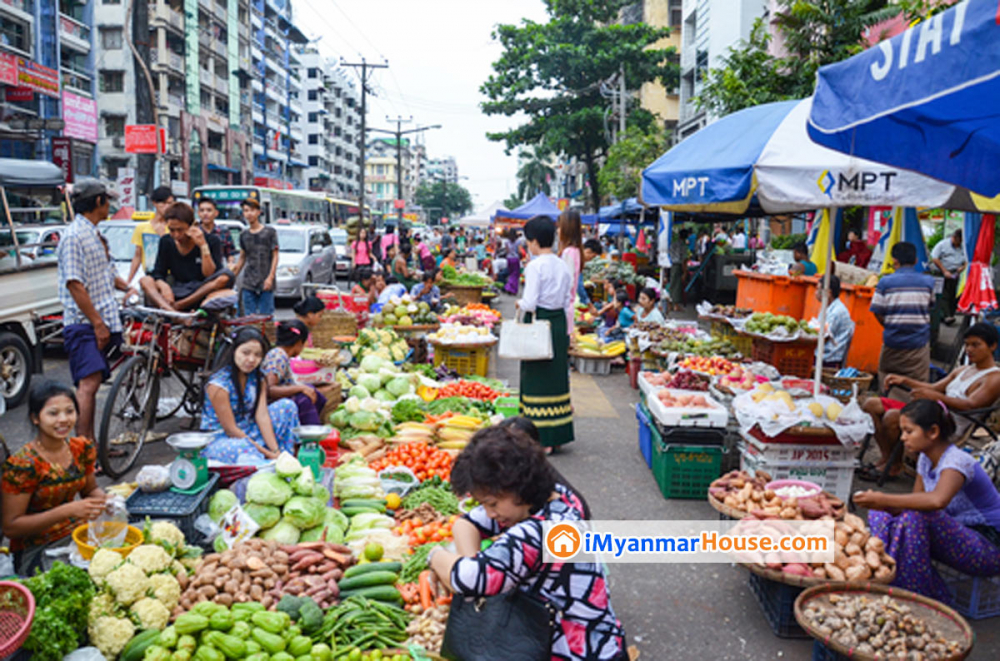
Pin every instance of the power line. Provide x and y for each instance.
(364, 76)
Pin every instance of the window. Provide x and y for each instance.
(114, 127)
(14, 34)
(112, 81)
(313, 95)
(313, 72)
(313, 117)
(313, 161)
(314, 139)
(111, 2)
(111, 38)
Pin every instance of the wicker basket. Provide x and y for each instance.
(334, 323)
(842, 387)
(809, 581)
(16, 615)
(464, 295)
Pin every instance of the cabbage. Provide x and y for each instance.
(222, 501)
(268, 489)
(367, 520)
(321, 493)
(370, 382)
(304, 483)
(304, 512)
(336, 518)
(339, 418)
(265, 515)
(384, 396)
(370, 404)
(371, 363)
(353, 405)
(333, 534)
(365, 420)
(283, 532)
(287, 465)
(399, 386)
(359, 391)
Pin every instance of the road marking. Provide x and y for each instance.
(588, 400)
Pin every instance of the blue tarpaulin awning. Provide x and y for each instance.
(540, 205)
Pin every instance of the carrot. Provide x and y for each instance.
(426, 602)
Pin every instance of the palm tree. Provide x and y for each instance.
(535, 174)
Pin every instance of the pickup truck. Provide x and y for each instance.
(33, 214)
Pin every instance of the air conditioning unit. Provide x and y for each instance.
(118, 141)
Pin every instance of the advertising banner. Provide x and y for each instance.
(80, 115)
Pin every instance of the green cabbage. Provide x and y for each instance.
(353, 405)
(367, 520)
(333, 534)
(359, 391)
(339, 418)
(265, 515)
(268, 489)
(336, 518)
(222, 501)
(304, 483)
(399, 386)
(370, 382)
(364, 420)
(384, 396)
(321, 493)
(371, 363)
(283, 532)
(287, 465)
(303, 512)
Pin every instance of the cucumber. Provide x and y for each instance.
(378, 593)
(371, 579)
(369, 567)
(354, 511)
(361, 502)
(136, 648)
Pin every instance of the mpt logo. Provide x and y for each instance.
(684, 186)
(857, 182)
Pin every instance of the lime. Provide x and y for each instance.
(354, 655)
(376, 655)
(373, 552)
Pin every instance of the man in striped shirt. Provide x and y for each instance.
(902, 304)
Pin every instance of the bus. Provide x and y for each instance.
(341, 210)
(297, 206)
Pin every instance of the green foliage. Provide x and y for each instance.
(513, 202)
(443, 199)
(535, 174)
(622, 169)
(62, 599)
(786, 241)
(917, 10)
(936, 237)
(552, 73)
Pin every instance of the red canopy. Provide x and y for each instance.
(979, 294)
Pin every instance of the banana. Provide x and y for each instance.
(463, 422)
(452, 445)
(452, 434)
(414, 425)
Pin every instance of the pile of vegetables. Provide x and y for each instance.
(749, 493)
(377, 387)
(62, 600)
(436, 493)
(427, 628)
(469, 389)
(416, 563)
(424, 460)
(473, 314)
(451, 276)
(417, 410)
(381, 342)
(359, 623)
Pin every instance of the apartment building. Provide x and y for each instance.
(443, 168)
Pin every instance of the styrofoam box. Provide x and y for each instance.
(645, 387)
(830, 454)
(322, 375)
(716, 415)
(835, 479)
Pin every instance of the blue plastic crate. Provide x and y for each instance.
(777, 601)
(645, 433)
(975, 597)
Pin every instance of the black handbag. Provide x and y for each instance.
(515, 626)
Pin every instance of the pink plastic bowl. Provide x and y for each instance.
(300, 366)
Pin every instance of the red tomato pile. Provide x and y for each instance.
(424, 460)
(417, 532)
(470, 389)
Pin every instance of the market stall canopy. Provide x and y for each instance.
(630, 207)
(540, 205)
(483, 217)
(18, 172)
(760, 160)
(925, 100)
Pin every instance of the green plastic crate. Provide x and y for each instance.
(508, 407)
(684, 471)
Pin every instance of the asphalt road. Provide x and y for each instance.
(685, 612)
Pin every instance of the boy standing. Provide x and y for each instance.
(259, 253)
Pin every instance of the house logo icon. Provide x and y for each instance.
(563, 541)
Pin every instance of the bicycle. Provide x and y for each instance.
(159, 357)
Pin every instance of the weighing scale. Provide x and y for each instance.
(189, 472)
(310, 453)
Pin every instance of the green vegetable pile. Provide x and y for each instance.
(359, 623)
(415, 410)
(416, 563)
(434, 492)
(451, 276)
(62, 601)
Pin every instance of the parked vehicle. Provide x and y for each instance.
(343, 263)
(306, 255)
(32, 196)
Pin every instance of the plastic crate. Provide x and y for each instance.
(777, 602)
(823, 653)
(684, 471)
(724, 330)
(180, 508)
(835, 479)
(595, 366)
(827, 454)
(790, 358)
(975, 597)
(467, 361)
(645, 433)
(777, 294)
(508, 407)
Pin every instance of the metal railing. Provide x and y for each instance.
(74, 28)
(75, 80)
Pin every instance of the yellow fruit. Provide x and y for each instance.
(833, 411)
(393, 501)
(816, 408)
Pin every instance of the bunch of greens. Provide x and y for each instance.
(62, 601)
(434, 492)
(416, 563)
(459, 405)
(452, 277)
(408, 410)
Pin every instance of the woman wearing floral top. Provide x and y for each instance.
(41, 482)
(277, 370)
(508, 474)
(247, 429)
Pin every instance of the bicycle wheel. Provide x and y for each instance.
(127, 417)
(171, 395)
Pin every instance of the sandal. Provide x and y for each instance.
(871, 473)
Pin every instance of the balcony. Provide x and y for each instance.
(204, 38)
(74, 33)
(216, 157)
(219, 48)
(75, 80)
(220, 12)
(23, 9)
(258, 145)
(161, 14)
(222, 84)
(168, 59)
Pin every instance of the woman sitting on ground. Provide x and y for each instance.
(247, 429)
(508, 474)
(967, 388)
(952, 516)
(648, 311)
(277, 370)
(42, 480)
(310, 312)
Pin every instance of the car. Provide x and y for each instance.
(38, 242)
(343, 263)
(306, 255)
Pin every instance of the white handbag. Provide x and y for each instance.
(521, 341)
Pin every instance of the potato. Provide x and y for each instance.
(834, 572)
(858, 573)
(882, 574)
(223, 570)
(819, 572)
(873, 560)
(840, 559)
(841, 538)
(219, 582)
(208, 591)
(232, 586)
(858, 538)
(224, 599)
(854, 522)
(852, 549)
(856, 561)
(874, 544)
(788, 513)
(256, 592)
(279, 568)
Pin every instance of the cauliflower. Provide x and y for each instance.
(166, 589)
(103, 563)
(110, 634)
(151, 613)
(164, 531)
(128, 583)
(150, 558)
(102, 604)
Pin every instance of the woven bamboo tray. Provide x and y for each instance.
(845, 383)
(941, 618)
(334, 323)
(808, 581)
(734, 513)
(464, 294)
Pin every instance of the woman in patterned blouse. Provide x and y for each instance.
(508, 474)
(41, 482)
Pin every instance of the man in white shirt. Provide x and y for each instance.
(949, 258)
(739, 239)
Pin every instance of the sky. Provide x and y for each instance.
(439, 53)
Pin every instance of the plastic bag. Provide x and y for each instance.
(153, 479)
(84, 654)
(109, 529)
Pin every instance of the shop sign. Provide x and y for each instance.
(8, 69)
(19, 94)
(37, 77)
(141, 139)
(62, 156)
(80, 115)
(126, 187)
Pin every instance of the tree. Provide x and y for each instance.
(512, 202)
(443, 199)
(814, 33)
(622, 170)
(535, 174)
(552, 72)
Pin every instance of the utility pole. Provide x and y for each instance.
(399, 133)
(364, 75)
(622, 103)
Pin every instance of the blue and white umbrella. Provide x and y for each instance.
(926, 100)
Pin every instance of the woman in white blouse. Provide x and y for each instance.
(549, 290)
